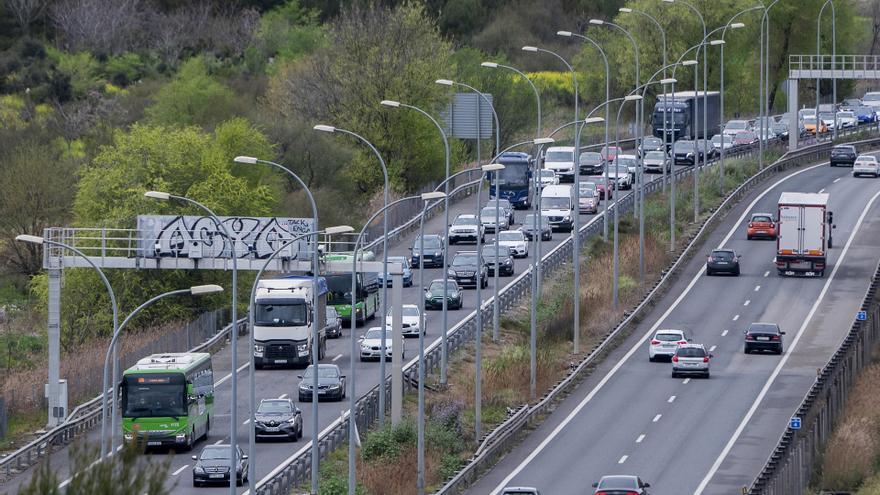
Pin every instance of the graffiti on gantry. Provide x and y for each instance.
(201, 237)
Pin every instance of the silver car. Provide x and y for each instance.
(691, 359)
(487, 218)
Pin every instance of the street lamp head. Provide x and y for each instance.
(737, 25)
(245, 159)
(566, 34)
(390, 103)
(597, 22)
(716, 42)
(338, 229)
(490, 65)
(444, 82)
(625, 10)
(593, 120)
(201, 290)
(428, 196)
(157, 195)
(32, 239)
(668, 80)
(546, 140)
(492, 167)
(530, 48)
(668, 1)
(632, 97)
(689, 62)
(324, 128)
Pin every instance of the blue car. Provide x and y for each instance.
(407, 271)
(865, 114)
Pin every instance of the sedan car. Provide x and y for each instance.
(504, 261)
(371, 344)
(665, 342)
(532, 226)
(331, 383)
(413, 321)
(691, 359)
(609, 153)
(746, 138)
(334, 322)
(734, 127)
(434, 295)
(588, 200)
(468, 269)
(505, 206)
(761, 225)
(683, 152)
(590, 163)
(717, 140)
(810, 125)
(487, 218)
(435, 251)
(212, 466)
(650, 144)
(547, 177)
(866, 165)
(723, 261)
(656, 161)
(278, 418)
(617, 485)
(828, 119)
(384, 278)
(763, 337)
(843, 154)
(847, 119)
(466, 227)
(515, 241)
(865, 114)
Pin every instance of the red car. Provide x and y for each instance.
(600, 188)
(761, 225)
(745, 138)
(609, 154)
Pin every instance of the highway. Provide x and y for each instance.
(698, 436)
(281, 382)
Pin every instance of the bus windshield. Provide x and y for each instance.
(513, 175)
(281, 315)
(154, 395)
(339, 287)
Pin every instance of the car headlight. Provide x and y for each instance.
(335, 386)
(508, 261)
(690, 154)
(451, 273)
(303, 386)
(292, 419)
(259, 348)
(302, 347)
(198, 470)
(437, 253)
(567, 218)
(365, 347)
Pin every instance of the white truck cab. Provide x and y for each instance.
(283, 316)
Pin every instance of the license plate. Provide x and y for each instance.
(764, 338)
(216, 476)
(321, 392)
(154, 443)
(789, 272)
(720, 262)
(762, 231)
(668, 345)
(810, 274)
(271, 428)
(280, 361)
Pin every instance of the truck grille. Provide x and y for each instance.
(280, 351)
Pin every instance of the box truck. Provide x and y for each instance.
(804, 234)
(684, 114)
(283, 316)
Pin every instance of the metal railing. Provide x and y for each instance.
(827, 63)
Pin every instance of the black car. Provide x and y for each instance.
(843, 154)
(591, 163)
(723, 261)
(763, 337)
(532, 227)
(504, 260)
(212, 466)
(435, 251)
(683, 152)
(468, 269)
(278, 418)
(333, 324)
(434, 295)
(331, 383)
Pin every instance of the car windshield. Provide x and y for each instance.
(215, 452)
(323, 372)
(511, 236)
(465, 221)
(376, 334)
(503, 203)
(652, 142)
(655, 155)
(723, 255)
(548, 173)
(275, 406)
(490, 213)
(843, 149)
(620, 169)
(866, 159)
(437, 286)
(810, 120)
(587, 193)
(864, 110)
(531, 220)
(626, 161)
(489, 251)
(156, 395)
(587, 185)
(690, 352)
(871, 97)
(331, 312)
(407, 311)
(590, 157)
(431, 242)
(826, 116)
(559, 156)
(681, 146)
(555, 203)
(735, 125)
(619, 483)
(464, 259)
(763, 328)
(611, 150)
(278, 315)
(762, 218)
(667, 337)
(846, 115)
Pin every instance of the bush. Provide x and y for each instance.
(554, 86)
(124, 69)
(389, 442)
(447, 414)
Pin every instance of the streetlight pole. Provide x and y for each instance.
(316, 340)
(443, 345)
(678, 63)
(765, 26)
(233, 332)
(385, 279)
(420, 451)
(496, 307)
(819, 59)
(615, 255)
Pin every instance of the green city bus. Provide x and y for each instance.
(168, 399)
(339, 291)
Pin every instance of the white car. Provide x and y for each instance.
(547, 178)
(413, 321)
(847, 119)
(371, 344)
(631, 162)
(665, 342)
(560, 159)
(872, 99)
(827, 119)
(516, 241)
(866, 165)
(621, 175)
(716, 141)
(656, 161)
(734, 127)
(466, 228)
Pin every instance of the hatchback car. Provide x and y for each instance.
(588, 200)
(466, 227)
(717, 139)
(683, 152)
(602, 187)
(435, 251)
(734, 127)
(532, 227)
(334, 323)
(617, 485)
(650, 144)
(434, 295)
(761, 226)
(407, 272)
(504, 261)
(723, 261)
(212, 466)
(278, 418)
(631, 162)
(515, 241)
(487, 218)
(590, 163)
(847, 119)
(691, 359)
(547, 177)
(763, 337)
(413, 321)
(371, 344)
(665, 342)
(866, 165)
(843, 154)
(331, 383)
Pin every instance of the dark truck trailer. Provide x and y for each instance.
(684, 115)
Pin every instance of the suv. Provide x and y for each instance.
(683, 152)
(466, 227)
(515, 241)
(434, 295)
(665, 342)
(590, 163)
(504, 262)
(468, 268)
(691, 359)
(843, 154)
(435, 251)
(651, 144)
(278, 417)
(763, 337)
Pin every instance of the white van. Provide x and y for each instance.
(560, 159)
(557, 204)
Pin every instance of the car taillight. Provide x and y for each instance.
(682, 342)
(655, 342)
(674, 359)
(706, 359)
(775, 337)
(750, 336)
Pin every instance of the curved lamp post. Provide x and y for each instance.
(819, 58)
(616, 206)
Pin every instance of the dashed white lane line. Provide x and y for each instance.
(712, 349)
(337, 358)
(282, 396)
(821, 190)
(218, 442)
(641, 437)
(685, 381)
(735, 317)
(623, 459)
(837, 179)
(757, 288)
(175, 473)
(227, 377)
(671, 399)
(747, 302)
(247, 421)
(767, 274)
(724, 333)
(656, 418)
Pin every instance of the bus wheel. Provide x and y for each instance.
(190, 440)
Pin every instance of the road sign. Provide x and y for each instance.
(862, 315)
(795, 423)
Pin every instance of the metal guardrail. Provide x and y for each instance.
(82, 419)
(835, 62)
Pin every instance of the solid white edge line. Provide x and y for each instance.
(175, 473)
(337, 358)
(638, 345)
(772, 378)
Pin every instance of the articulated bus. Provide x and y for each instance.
(339, 287)
(168, 400)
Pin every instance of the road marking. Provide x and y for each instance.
(656, 418)
(246, 422)
(622, 459)
(671, 399)
(788, 353)
(282, 396)
(724, 333)
(218, 442)
(837, 179)
(227, 377)
(735, 317)
(337, 358)
(685, 381)
(821, 190)
(175, 473)
(758, 287)
(747, 302)
(641, 437)
(767, 274)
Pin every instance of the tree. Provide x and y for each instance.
(26, 12)
(192, 97)
(96, 25)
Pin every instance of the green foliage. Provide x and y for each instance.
(288, 32)
(510, 357)
(193, 97)
(25, 66)
(81, 69)
(388, 442)
(557, 87)
(124, 69)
